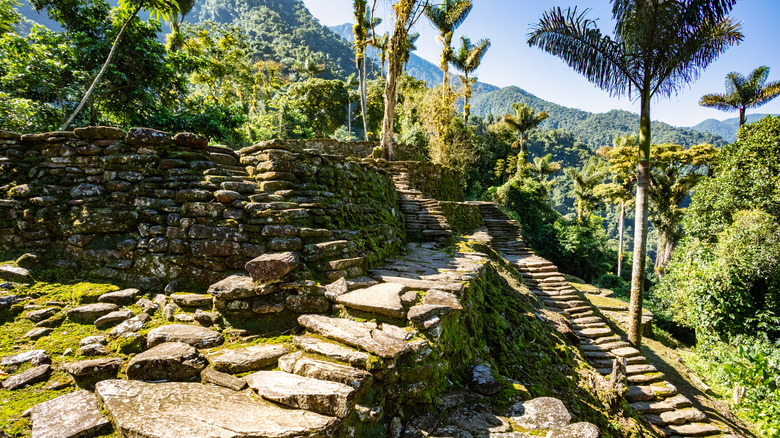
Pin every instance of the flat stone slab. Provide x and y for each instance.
(269, 267)
(114, 317)
(416, 284)
(651, 408)
(211, 375)
(198, 337)
(185, 410)
(328, 398)
(679, 401)
(15, 274)
(695, 429)
(193, 300)
(69, 416)
(28, 377)
(35, 357)
(362, 335)
(129, 326)
(41, 314)
(639, 394)
(170, 361)
(234, 287)
(576, 430)
(121, 297)
(88, 372)
(640, 369)
(683, 416)
(90, 312)
(331, 350)
(301, 365)
(594, 333)
(540, 413)
(384, 298)
(241, 360)
(626, 352)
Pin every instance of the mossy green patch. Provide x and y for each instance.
(77, 293)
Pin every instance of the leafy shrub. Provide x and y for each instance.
(616, 284)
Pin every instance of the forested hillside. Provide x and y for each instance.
(596, 130)
(282, 30)
(725, 128)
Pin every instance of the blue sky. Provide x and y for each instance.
(510, 61)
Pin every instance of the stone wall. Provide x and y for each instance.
(146, 207)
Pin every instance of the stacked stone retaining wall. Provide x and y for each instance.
(146, 207)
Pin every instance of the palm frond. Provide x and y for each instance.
(718, 101)
(576, 39)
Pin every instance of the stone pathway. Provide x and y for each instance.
(648, 391)
(424, 217)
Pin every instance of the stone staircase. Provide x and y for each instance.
(648, 391)
(424, 218)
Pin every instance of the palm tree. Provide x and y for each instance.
(158, 8)
(523, 120)
(585, 181)
(467, 60)
(447, 17)
(743, 92)
(409, 47)
(175, 42)
(543, 167)
(658, 46)
(622, 165)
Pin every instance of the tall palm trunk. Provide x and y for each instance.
(363, 97)
(102, 70)
(444, 64)
(621, 229)
(640, 223)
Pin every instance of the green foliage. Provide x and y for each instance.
(284, 31)
(323, 102)
(8, 15)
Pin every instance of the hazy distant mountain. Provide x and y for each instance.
(596, 130)
(726, 128)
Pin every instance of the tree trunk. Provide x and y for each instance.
(102, 70)
(666, 246)
(621, 229)
(444, 64)
(640, 224)
(363, 97)
(742, 117)
(403, 13)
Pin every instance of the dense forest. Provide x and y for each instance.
(243, 71)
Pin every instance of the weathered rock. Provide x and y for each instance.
(329, 398)
(331, 350)
(99, 132)
(540, 413)
(120, 298)
(576, 430)
(206, 319)
(651, 407)
(181, 410)
(193, 300)
(234, 287)
(148, 306)
(113, 318)
(683, 416)
(211, 375)
(33, 375)
(69, 416)
(362, 335)
(307, 304)
(438, 297)
(384, 299)
(337, 288)
(639, 393)
(297, 363)
(170, 361)
(88, 313)
(41, 314)
(37, 332)
(269, 267)
(147, 137)
(88, 372)
(198, 337)
(241, 360)
(35, 357)
(93, 350)
(424, 312)
(478, 420)
(8, 300)
(14, 274)
(679, 401)
(190, 140)
(694, 429)
(28, 260)
(131, 325)
(481, 380)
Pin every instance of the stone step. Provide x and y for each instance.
(298, 363)
(332, 351)
(695, 429)
(651, 407)
(383, 298)
(367, 336)
(193, 409)
(324, 397)
(644, 379)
